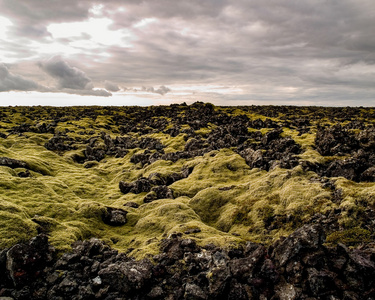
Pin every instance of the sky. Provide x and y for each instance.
(227, 52)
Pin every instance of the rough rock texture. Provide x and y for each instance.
(272, 150)
(60, 142)
(335, 141)
(159, 192)
(296, 267)
(114, 216)
(12, 163)
(139, 186)
(340, 141)
(156, 185)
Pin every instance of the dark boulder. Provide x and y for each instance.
(125, 187)
(238, 291)
(157, 179)
(271, 136)
(159, 192)
(24, 174)
(335, 141)
(126, 276)
(25, 262)
(219, 281)
(60, 142)
(194, 292)
(94, 153)
(271, 151)
(321, 282)
(12, 163)
(139, 186)
(368, 175)
(114, 216)
(194, 144)
(366, 138)
(305, 239)
(174, 131)
(296, 267)
(347, 168)
(243, 268)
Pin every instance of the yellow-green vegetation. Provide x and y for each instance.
(226, 199)
(350, 237)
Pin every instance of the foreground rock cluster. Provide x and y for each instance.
(296, 267)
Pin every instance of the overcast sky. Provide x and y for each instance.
(227, 52)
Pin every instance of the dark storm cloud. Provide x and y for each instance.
(11, 82)
(275, 49)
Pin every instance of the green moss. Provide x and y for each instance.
(171, 144)
(15, 227)
(215, 169)
(208, 203)
(229, 202)
(203, 132)
(306, 140)
(349, 237)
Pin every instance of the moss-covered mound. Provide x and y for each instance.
(132, 176)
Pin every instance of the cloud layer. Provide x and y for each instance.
(277, 51)
(11, 82)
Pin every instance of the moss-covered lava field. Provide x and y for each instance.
(132, 176)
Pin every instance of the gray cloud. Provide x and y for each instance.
(11, 82)
(162, 90)
(67, 77)
(110, 86)
(70, 79)
(98, 92)
(31, 17)
(277, 50)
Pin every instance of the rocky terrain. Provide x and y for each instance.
(297, 267)
(187, 202)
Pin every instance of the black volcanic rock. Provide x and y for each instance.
(25, 262)
(296, 267)
(60, 142)
(12, 163)
(114, 216)
(305, 239)
(271, 151)
(139, 186)
(159, 192)
(335, 141)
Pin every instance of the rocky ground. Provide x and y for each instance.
(187, 202)
(296, 267)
